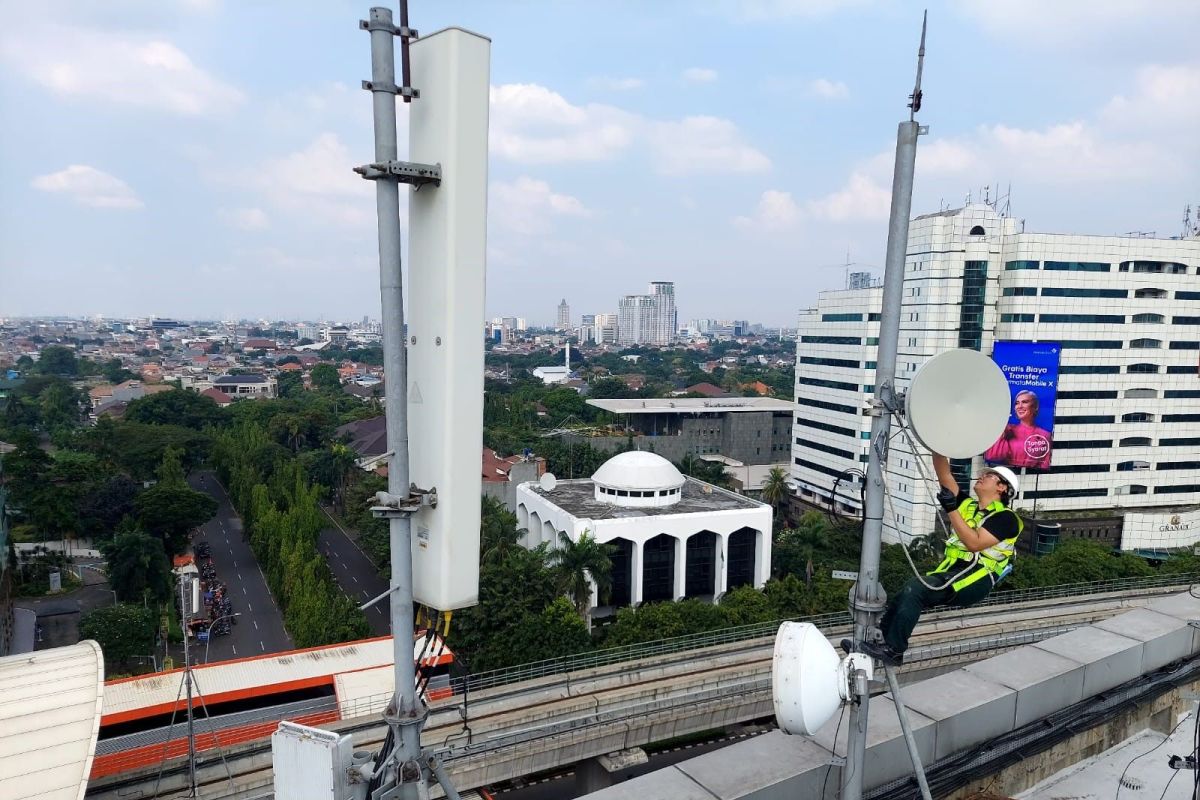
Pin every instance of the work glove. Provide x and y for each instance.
(947, 499)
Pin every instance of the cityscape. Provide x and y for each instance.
(674, 472)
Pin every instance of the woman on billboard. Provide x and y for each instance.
(1023, 443)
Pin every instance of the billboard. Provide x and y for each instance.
(1032, 372)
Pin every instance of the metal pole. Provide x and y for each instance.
(909, 739)
(187, 679)
(406, 723)
(867, 598)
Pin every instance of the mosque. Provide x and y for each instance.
(674, 536)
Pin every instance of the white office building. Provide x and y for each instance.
(1125, 309)
(672, 536)
(606, 328)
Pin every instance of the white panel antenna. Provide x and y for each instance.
(958, 403)
(446, 251)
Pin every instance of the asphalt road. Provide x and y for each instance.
(259, 627)
(355, 573)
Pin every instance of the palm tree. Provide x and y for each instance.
(579, 564)
(499, 534)
(811, 537)
(775, 488)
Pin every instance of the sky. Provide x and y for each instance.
(193, 159)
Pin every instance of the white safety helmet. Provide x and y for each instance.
(1008, 476)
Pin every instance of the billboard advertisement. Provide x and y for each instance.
(1032, 372)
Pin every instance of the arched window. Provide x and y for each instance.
(1145, 344)
(1135, 441)
(978, 231)
(1142, 368)
(1152, 318)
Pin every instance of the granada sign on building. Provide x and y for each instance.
(1162, 531)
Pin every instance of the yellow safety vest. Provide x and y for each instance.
(992, 560)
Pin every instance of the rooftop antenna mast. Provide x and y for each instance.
(867, 599)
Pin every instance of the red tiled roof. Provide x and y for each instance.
(707, 389)
(220, 397)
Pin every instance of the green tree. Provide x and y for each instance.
(104, 505)
(556, 632)
(498, 533)
(57, 360)
(578, 564)
(122, 631)
(325, 377)
(138, 569)
(775, 489)
(170, 511)
(177, 407)
(708, 471)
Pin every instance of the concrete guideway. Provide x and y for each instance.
(555, 721)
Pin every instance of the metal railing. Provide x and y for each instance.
(826, 622)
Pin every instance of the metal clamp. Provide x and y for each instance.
(389, 505)
(402, 171)
(394, 30)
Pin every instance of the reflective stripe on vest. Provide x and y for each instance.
(991, 560)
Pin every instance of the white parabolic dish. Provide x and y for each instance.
(804, 678)
(958, 403)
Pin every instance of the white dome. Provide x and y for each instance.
(638, 470)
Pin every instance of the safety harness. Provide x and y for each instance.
(994, 562)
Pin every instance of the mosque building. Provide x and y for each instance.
(674, 536)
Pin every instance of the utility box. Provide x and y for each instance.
(310, 763)
(448, 125)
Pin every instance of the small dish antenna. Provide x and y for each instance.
(958, 403)
(808, 680)
(548, 481)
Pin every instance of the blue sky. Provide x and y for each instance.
(193, 158)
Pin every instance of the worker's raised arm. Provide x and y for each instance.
(941, 466)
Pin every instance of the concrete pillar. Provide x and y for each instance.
(635, 568)
(680, 568)
(762, 566)
(722, 565)
(598, 773)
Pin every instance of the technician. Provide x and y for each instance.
(978, 555)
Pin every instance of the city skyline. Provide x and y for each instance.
(199, 188)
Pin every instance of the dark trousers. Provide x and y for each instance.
(905, 609)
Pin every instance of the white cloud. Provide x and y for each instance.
(703, 144)
(764, 10)
(699, 75)
(316, 182)
(776, 211)
(245, 219)
(1165, 94)
(527, 206)
(531, 124)
(1090, 22)
(117, 68)
(830, 90)
(90, 187)
(862, 198)
(616, 84)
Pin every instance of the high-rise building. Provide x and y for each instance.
(587, 328)
(606, 328)
(1124, 309)
(564, 316)
(648, 318)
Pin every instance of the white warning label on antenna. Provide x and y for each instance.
(414, 394)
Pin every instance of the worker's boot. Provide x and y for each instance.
(881, 652)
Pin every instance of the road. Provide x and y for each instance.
(259, 627)
(356, 574)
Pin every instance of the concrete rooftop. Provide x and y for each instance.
(578, 498)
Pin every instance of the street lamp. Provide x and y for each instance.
(211, 625)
